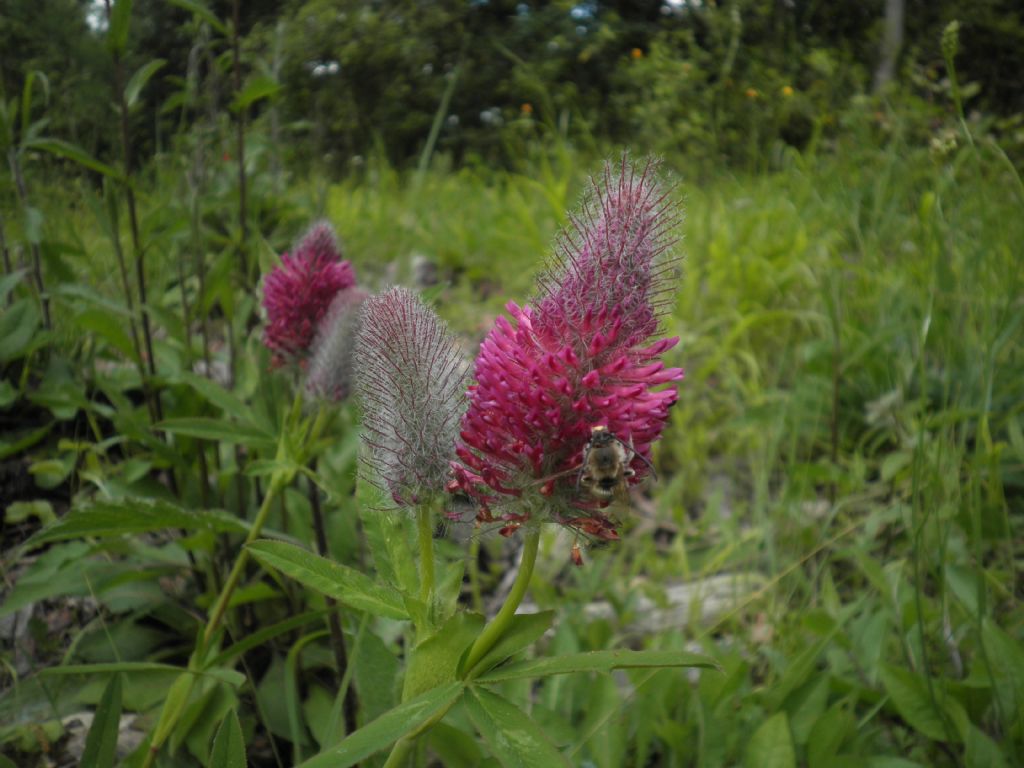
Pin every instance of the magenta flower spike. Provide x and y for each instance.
(582, 357)
(298, 293)
(411, 382)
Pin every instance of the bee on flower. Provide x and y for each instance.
(570, 391)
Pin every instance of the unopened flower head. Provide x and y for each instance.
(330, 371)
(410, 379)
(298, 293)
(582, 358)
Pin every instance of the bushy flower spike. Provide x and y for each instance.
(546, 377)
(410, 379)
(614, 255)
(330, 363)
(298, 293)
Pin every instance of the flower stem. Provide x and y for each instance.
(277, 483)
(492, 632)
(426, 541)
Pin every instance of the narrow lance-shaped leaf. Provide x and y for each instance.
(101, 743)
(115, 518)
(597, 661)
(261, 87)
(515, 739)
(139, 79)
(346, 585)
(388, 728)
(120, 21)
(228, 745)
(70, 151)
(202, 12)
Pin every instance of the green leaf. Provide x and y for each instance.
(513, 737)
(101, 743)
(1006, 656)
(114, 518)
(216, 395)
(597, 661)
(174, 705)
(228, 745)
(344, 584)
(909, 694)
(70, 151)
(120, 22)
(18, 325)
(107, 327)
(219, 430)
(8, 394)
(798, 671)
(203, 13)
(20, 511)
(981, 749)
(455, 748)
(771, 746)
(523, 630)
(260, 87)
(388, 728)
(139, 79)
(26, 98)
(267, 633)
(435, 660)
(828, 734)
(9, 282)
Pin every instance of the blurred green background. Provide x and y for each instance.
(847, 450)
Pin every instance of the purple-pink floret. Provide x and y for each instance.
(583, 357)
(298, 293)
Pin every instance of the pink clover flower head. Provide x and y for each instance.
(298, 293)
(330, 371)
(582, 358)
(410, 378)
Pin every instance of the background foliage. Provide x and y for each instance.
(848, 446)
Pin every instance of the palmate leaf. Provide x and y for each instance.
(388, 728)
(597, 661)
(102, 519)
(346, 585)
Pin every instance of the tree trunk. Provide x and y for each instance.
(892, 41)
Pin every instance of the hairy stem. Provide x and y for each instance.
(426, 542)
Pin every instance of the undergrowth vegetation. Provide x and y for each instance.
(839, 494)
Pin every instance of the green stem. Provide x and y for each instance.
(493, 631)
(487, 639)
(426, 541)
(277, 483)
